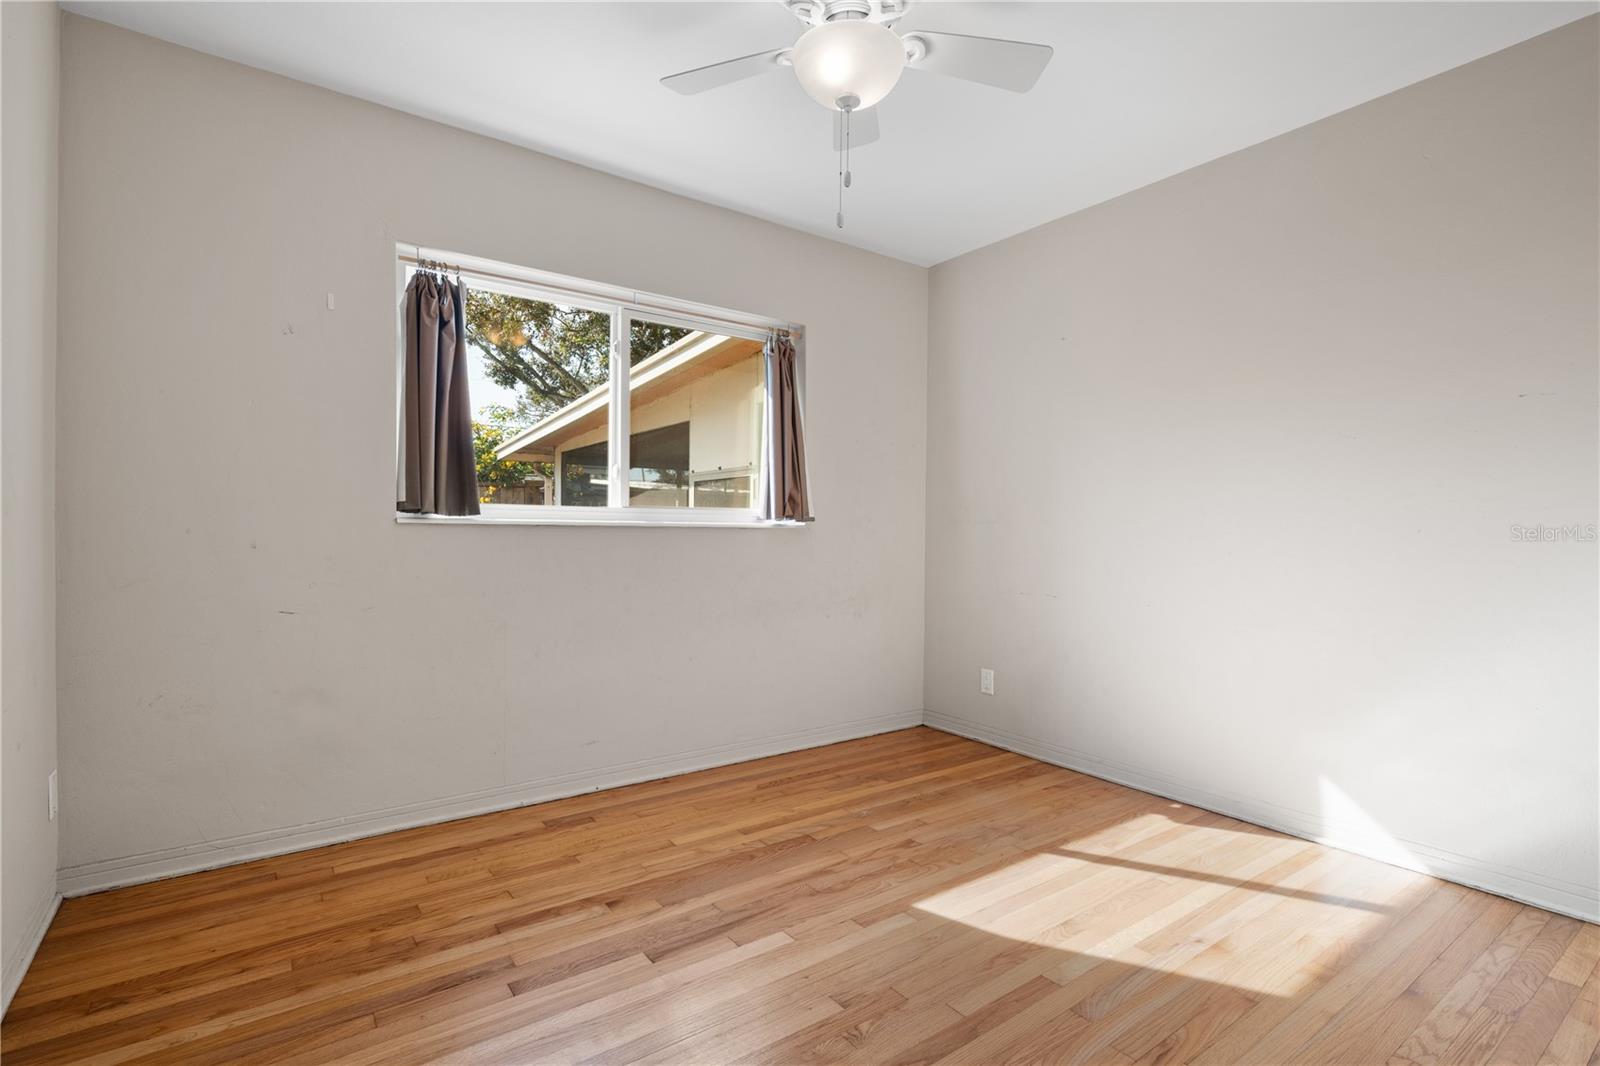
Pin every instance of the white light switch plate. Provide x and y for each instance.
(52, 795)
(986, 681)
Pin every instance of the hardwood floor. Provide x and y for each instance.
(907, 898)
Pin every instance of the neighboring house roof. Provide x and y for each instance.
(693, 356)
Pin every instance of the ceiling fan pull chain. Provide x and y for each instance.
(847, 149)
(838, 219)
(846, 104)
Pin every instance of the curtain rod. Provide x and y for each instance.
(643, 305)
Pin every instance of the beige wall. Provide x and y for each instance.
(253, 653)
(29, 69)
(1228, 468)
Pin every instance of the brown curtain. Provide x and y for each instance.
(790, 497)
(441, 475)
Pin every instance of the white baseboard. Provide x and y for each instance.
(151, 866)
(17, 965)
(1578, 901)
(1524, 886)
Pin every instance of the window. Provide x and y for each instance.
(696, 408)
(531, 362)
(556, 423)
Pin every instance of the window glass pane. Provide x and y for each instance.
(540, 400)
(722, 491)
(583, 475)
(695, 414)
(660, 474)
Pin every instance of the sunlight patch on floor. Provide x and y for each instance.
(1084, 908)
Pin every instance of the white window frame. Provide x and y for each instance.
(624, 306)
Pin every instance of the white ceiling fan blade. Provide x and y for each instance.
(727, 72)
(1013, 65)
(863, 128)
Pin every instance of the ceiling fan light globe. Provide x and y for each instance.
(850, 58)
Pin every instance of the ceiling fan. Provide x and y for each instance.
(850, 57)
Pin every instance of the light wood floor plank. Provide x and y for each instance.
(1577, 1039)
(910, 898)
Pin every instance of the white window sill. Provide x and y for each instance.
(658, 518)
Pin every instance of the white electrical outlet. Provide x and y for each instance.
(52, 795)
(986, 681)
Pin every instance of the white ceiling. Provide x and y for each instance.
(1136, 92)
